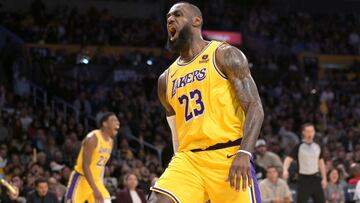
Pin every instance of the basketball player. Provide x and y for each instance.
(215, 115)
(86, 181)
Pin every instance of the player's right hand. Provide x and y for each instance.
(285, 175)
(98, 197)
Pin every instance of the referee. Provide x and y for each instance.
(309, 156)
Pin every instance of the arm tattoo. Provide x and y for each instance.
(234, 64)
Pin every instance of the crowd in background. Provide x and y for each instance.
(36, 141)
(300, 31)
(70, 26)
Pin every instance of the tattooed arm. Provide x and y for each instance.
(233, 63)
(170, 113)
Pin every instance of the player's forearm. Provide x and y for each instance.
(89, 178)
(253, 122)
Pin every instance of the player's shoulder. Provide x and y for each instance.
(227, 56)
(224, 48)
(162, 76)
(90, 138)
(231, 61)
(162, 81)
(91, 135)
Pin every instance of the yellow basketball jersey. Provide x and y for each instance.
(99, 157)
(204, 102)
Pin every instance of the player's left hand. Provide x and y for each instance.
(240, 170)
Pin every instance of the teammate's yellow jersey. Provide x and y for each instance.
(99, 157)
(204, 102)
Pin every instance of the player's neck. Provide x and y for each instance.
(105, 135)
(196, 46)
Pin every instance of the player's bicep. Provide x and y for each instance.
(235, 66)
(89, 146)
(161, 90)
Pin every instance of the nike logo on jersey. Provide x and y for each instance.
(173, 74)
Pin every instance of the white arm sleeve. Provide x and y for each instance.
(172, 123)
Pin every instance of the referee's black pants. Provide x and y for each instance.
(310, 186)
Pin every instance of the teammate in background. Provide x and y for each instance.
(215, 115)
(86, 181)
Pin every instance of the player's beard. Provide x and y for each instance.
(181, 42)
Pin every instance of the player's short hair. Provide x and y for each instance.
(305, 125)
(105, 117)
(40, 180)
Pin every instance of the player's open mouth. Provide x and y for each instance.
(172, 33)
(117, 129)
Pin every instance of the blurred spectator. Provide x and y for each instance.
(25, 119)
(334, 192)
(273, 189)
(144, 180)
(4, 133)
(357, 193)
(17, 181)
(265, 158)
(57, 188)
(9, 197)
(82, 104)
(288, 138)
(41, 193)
(3, 157)
(22, 87)
(354, 39)
(350, 140)
(130, 194)
(110, 182)
(355, 174)
(69, 152)
(2, 97)
(327, 95)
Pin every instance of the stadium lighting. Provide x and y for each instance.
(84, 61)
(149, 62)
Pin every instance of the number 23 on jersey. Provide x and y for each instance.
(194, 96)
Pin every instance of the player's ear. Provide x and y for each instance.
(197, 21)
